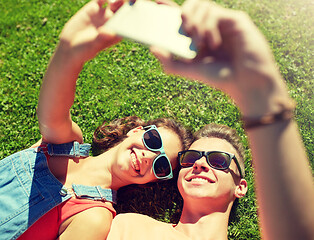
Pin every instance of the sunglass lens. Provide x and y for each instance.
(162, 167)
(189, 158)
(152, 139)
(219, 160)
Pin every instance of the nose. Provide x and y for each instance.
(201, 165)
(148, 156)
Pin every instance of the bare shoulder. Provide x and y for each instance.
(125, 227)
(93, 223)
(96, 214)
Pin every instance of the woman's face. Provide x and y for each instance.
(203, 181)
(135, 161)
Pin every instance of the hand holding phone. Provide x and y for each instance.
(154, 25)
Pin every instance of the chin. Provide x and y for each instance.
(199, 194)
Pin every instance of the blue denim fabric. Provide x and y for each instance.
(28, 189)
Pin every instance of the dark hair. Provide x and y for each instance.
(107, 135)
(151, 198)
(226, 133)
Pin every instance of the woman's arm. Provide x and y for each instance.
(56, 98)
(81, 39)
(234, 57)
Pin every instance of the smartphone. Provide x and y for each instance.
(154, 25)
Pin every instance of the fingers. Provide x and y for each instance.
(206, 70)
(201, 22)
(100, 2)
(169, 64)
(168, 3)
(115, 5)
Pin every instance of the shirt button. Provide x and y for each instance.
(63, 192)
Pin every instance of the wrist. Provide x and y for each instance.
(268, 96)
(285, 112)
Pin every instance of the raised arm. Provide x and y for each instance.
(234, 57)
(81, 39)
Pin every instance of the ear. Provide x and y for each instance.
(134, 130)
(241, 188)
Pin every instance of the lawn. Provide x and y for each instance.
(127, 80)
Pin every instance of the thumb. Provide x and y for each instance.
(115, 5)
(170, 66)
(206, 70)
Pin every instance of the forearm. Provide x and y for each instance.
(237, 60)
(284, 182)
(57, 95)
(81, 39)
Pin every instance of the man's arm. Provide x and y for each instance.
(234, 57)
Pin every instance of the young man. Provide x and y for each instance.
(234, 57)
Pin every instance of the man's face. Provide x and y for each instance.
(201, 181)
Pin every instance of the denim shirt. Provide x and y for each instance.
(28, 189)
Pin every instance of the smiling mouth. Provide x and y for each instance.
(200, 180)
(135, 162)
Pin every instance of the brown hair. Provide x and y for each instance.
(150, 198)
(107, 135)
(226, 133)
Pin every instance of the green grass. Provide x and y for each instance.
(127, 80)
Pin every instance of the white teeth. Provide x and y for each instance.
(199, 180)
(134, 161)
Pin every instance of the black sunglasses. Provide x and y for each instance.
(216, 159)
(152, 141)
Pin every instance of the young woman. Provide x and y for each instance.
(55, 189)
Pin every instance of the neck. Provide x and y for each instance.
(102, 170)
(94, 171)
(204, 222)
